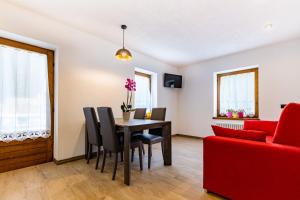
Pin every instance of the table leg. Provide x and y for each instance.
(167, 144)
(86, 143)
(127, 163)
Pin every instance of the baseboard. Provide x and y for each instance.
(187, 136)
(59, 162)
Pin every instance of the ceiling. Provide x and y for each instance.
(178, 32)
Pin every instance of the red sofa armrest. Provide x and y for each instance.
(261, 125)
(242, 169)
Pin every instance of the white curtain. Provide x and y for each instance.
(24, 95)
(238, 92)
(142, 94)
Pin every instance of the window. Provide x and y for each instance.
(25, 110)
(143, 90)
(238, 91)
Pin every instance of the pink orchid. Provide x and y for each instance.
(130, 85)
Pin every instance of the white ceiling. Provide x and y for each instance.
(179, 32)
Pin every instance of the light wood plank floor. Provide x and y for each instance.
(78, 180)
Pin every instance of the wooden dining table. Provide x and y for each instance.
(133, 125)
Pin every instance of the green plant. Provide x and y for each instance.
(229, 110)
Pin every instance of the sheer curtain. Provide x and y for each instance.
(142, 94)
(24, 95)
(238, 92)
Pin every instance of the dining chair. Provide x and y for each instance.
(111, 139)
(93, 132)
(155, 135)
(139, 113)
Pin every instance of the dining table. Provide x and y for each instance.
(133, 125)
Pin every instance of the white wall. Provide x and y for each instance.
(88, 74)
(279, 82)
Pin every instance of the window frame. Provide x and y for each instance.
(256, 92)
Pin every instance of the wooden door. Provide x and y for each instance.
(19, 154)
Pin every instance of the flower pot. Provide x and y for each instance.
(229, 114)
(126, 116)
(241, 114)
(235, 115)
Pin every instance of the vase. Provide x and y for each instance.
(235, 115)
(241, 114)
(229, 114)
(126, 116)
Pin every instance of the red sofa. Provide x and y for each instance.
(242, 169)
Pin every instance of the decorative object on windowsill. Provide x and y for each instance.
(223, 114)
(236, 114)
(127, 107)
(240, 113)
(251, 115)
(123, 53)
(148, 115)
(229, 113)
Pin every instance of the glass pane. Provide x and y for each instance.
(237, 92)
(24, 94)
(142, 94)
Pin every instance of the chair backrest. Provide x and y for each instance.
(158, 114)
(288, 128)
(108, 129)
(139, 113)
(93, 130)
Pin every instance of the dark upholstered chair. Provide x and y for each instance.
(139, 113)
(111, 139)
(158, 114)
(93, 130)
(155, 135)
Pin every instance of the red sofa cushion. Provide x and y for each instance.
(288, 128)
(269, 139)
(261, 125)
(240, 134)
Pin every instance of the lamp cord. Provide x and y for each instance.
(123, 39)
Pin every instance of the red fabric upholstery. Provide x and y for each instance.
(246, 170)
(269, 139)
(288, 129)
(241, 134)
(261, 125)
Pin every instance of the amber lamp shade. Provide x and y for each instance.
(123, 54)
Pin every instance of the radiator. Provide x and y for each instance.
(230, 125)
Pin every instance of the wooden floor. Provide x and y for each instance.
(78, 180)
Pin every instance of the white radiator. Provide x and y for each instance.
(236, 126)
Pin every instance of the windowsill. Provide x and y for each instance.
(226, 118)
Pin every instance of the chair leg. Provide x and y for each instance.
(103, 161)
(162, 148)
(141, 156)
(110, 154)
(122, 154)
(132, 154)
(149, 155)
(98, 156)
(143, 148)
(89, 153)
(115, 167)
